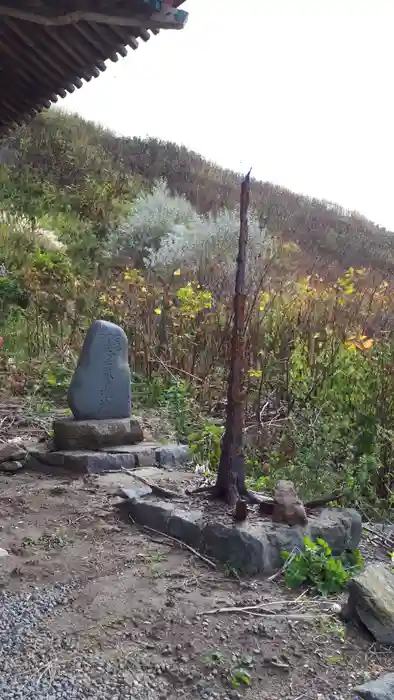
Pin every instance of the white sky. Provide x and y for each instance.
(299, 90)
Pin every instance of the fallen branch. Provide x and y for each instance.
(266, 614)
(175, 539)
(323, 500)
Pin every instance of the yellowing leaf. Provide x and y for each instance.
(177, 273)
(254, 373)
(264, 299)
(366, 344)
(158, 311)
(334, 659)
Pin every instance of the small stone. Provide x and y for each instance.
(101, 385)
(371, 600)
(11, 451)
(288, 508)
(11, 467)
(3, 553)
(380, 689)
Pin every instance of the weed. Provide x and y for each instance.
(317, 567)
(205, 444)
(156, 557)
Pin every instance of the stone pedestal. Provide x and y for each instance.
(70, 434)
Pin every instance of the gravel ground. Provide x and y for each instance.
(92, 608)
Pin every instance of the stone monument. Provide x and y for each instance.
(101, 385)
(99, 395)
(101, 435)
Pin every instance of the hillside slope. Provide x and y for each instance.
(69, 165)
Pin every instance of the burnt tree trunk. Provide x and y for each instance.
(230, 484)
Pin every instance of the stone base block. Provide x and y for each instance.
(71, 434)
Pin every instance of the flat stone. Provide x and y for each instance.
(82, 461)
(173, 455)
(371, 600)
(70, 434)
(252, 547)
(136, 491)
(380, 689)
(101, 385)
(131, 449)
(173, 480)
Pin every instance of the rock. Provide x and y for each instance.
(371, 601)
(186, 525)
(341, 528)
(11, 451)
(70, 434)
(287, 507)
(3, 553)
(154, 514)
(101, 385)
(380, 689)
(11, 467)
(173, 455)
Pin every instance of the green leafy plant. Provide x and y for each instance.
(317, 567)
(205, 444)
(177, 400)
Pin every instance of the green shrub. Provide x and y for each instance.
(318, 568)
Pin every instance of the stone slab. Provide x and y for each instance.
(70, 434)
(173, 480)
(170, 456)
(371, 600)
(144, 454)
(82, 461)
(253, 547)
(380, 689)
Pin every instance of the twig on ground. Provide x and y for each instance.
(264, 607)
(385, 539)
(291, 616)
(287, 563)
(175, 539)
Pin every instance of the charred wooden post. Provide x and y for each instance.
(230, 482)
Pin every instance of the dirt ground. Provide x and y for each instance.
(142, 601)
